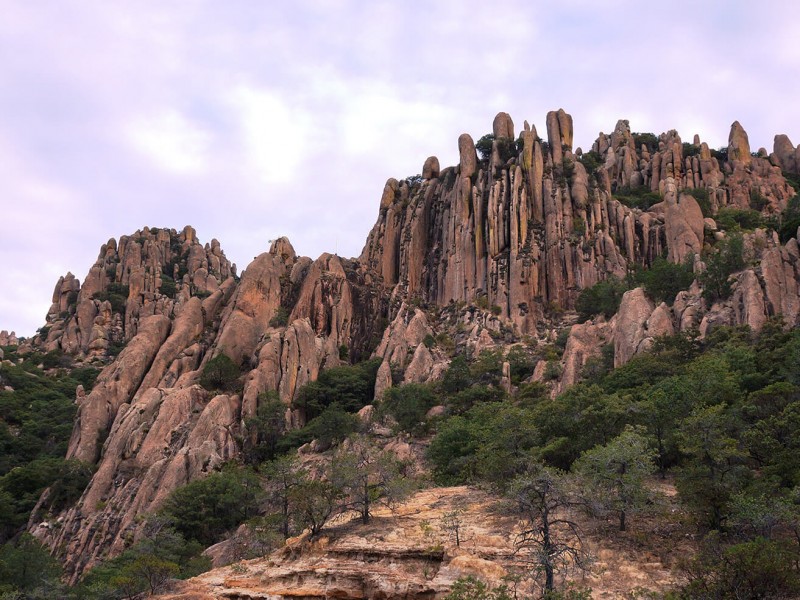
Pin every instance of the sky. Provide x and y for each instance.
(254, 119)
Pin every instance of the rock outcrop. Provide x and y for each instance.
(474, 256)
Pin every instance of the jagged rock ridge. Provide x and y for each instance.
(519, 233)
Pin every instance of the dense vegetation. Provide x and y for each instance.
(661, 281)
(36, 413)
(720, 414)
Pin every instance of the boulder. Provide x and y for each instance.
(503, 126)
(738, 145)
(430, 170)
(468, 157)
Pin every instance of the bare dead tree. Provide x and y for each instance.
(550, 538)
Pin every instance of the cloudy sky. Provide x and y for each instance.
(252, 119)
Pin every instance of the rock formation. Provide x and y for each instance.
(473, 256)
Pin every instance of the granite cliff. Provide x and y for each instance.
(484, 254)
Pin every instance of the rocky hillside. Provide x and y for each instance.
(408, 553)
(489, 253)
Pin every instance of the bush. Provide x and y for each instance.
(507, 148)
(220, 373)
(350, 386)
(330, 427)
(409, 404)
(690, 150)
(664, 279)
(168, 287)
(521, 363)
(640, 197)
(204, 509)
(733, 219)
(721, 154)
(281, 317)
(757, 201)
(790, 219)
(603, 298)
(591, 162)
(720, 265)
(650, 140)
(484, 146)
(457, 377)
(758, 568)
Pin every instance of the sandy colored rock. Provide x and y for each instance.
(430, 170)
(115, 385)
(738, 144)
(503, 126)
(629, 329)
(468, 158)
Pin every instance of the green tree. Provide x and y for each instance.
(332, 426)
(457, 376)
(206, 508)
(613, 476)
(161, 554)
(603, 298)
(315, 502)
(155, 572)
(409, 404)
(715, 469)
(367, 477)
(283, 475)
(350, 386)
(220, 373)
(664, 279)
(27, 565)
(754, 569)
(265, 429)
(727, 259)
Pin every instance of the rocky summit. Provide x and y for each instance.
(490, 253)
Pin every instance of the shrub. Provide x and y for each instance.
(409, 404)
(507, 148)
(591, 162)
(521, 363)
(733, 219)
(721, 154)
(330, 427)
(351, 386)
(757, 201)
(281, 317)
(664, 279)
(220, 373)
(205, 509)
(488, 368)
(690, 150)
(603, 298)
(168, 287)
(484, 146)
(720, 265)
(650, 140)
(790, 219)
(457, 377)
(640, 197)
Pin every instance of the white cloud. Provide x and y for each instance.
(171, 141)
(166, 112)
(275, 136)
